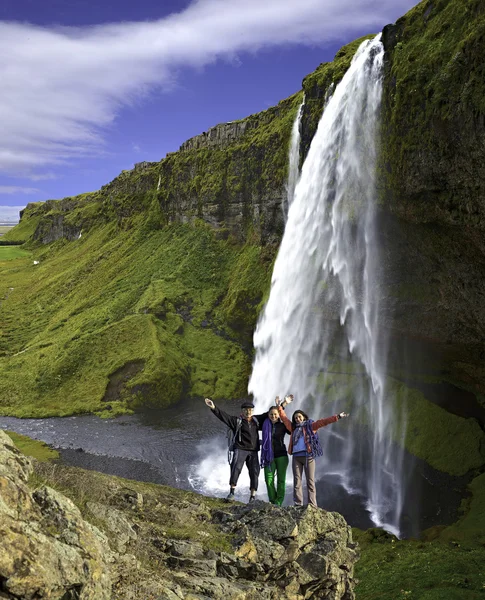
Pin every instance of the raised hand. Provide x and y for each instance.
(289, 398)
(342, 415)
(277, 400)
(209, 403)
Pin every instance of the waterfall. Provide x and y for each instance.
(293, 161)
(319, 335)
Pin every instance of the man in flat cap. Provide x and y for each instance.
(245, 429)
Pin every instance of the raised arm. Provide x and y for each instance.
(228, 420)
(285, 419)
(323, 422)
(261, 419)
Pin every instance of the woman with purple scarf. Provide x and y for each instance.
(305, 448)
(274, 457)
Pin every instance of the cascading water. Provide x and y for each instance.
(293, 162)
(319, 335)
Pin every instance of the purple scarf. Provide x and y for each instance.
(267, 445)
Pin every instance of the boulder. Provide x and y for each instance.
(48, 549)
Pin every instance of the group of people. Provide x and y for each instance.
(304, 446)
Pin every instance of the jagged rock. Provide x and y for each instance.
(116, 522)
(309, 551)
(48, 550)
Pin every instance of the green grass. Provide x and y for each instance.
(414, 570)
(12, 252)
(33, 448)
(93, 306)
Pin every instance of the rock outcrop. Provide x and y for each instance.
(47, 549)
(51, 550)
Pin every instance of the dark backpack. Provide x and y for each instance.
(232, 436)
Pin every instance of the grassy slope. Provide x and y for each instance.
(11, 252)
(33, 448)
(118, 297)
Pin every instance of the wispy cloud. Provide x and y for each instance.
(62, 86)
(14, 189)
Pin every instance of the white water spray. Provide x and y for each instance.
(293, 162)
(319, 335)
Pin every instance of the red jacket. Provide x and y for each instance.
(315, 426)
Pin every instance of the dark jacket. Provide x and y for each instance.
(248, 436)
(278, 438)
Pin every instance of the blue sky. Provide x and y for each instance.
(89, 87)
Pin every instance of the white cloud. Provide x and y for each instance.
(10, 214)
(61, 86)
(14, 189)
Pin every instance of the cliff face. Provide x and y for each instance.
(433, 184)
(120, 542)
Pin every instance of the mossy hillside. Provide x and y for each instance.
(434, 100)
(97, 305)
(449, 443)
(230, 184)
(24, 231)
(225, 185)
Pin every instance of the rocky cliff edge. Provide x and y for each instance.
(129, 540)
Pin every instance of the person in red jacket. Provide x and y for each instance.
(305, 447)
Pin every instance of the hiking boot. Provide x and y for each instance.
(252, 499)
(230, 497)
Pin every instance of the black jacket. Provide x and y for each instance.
(278, 438)
(248, 436)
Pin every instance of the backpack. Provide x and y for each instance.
(231, 438)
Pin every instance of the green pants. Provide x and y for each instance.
(276, 470)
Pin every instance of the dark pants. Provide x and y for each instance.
(251, 458)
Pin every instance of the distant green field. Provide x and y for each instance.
(10, 252)
(5, 228)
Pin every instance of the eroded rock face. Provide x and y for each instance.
(302, 551)
(48, 550)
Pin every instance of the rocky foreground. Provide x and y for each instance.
(127, 540)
